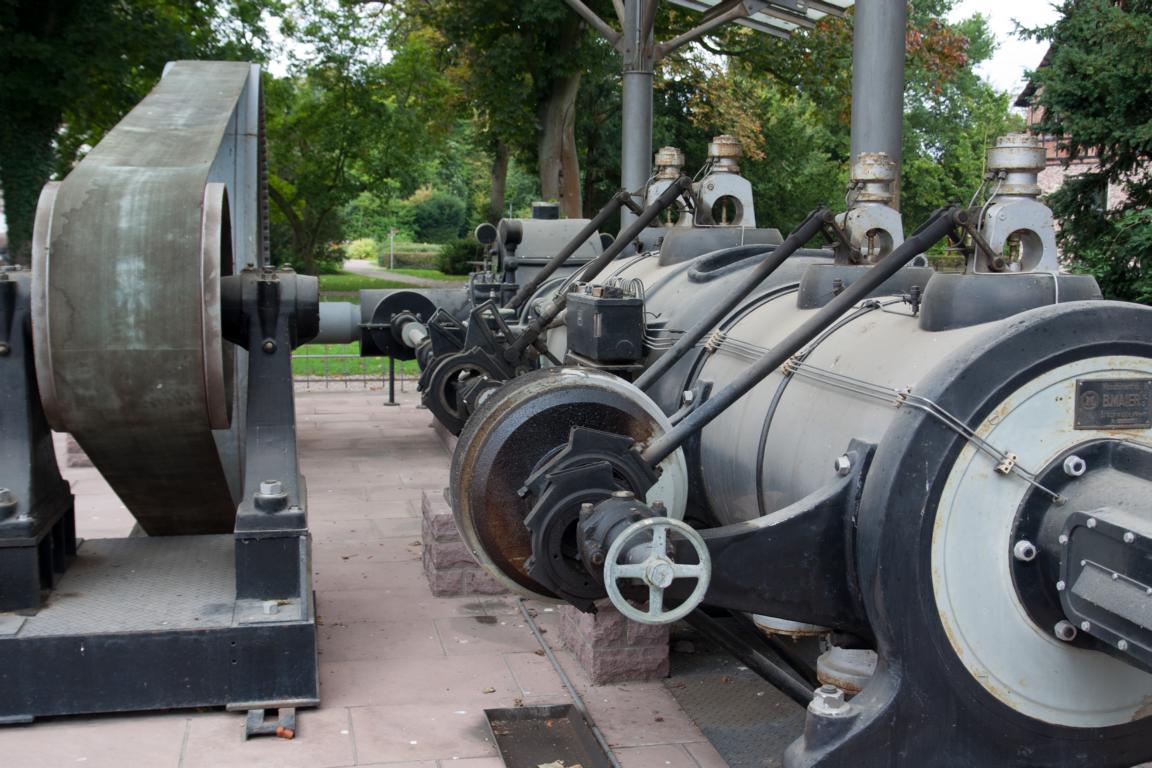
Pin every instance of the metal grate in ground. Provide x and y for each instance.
(748, 721)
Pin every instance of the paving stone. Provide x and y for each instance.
(662, 756)
(324, 740)
(485, 634)
(155, 740)
(705, 755)
(450, 732)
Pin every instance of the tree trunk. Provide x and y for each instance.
(26, 159)
(556, 150)
(500, 156)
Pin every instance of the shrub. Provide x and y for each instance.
(454, 256)
(438, 217)
(364, 249)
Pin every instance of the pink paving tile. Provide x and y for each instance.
(468, 635)
(705, 755)
(369, 641)
(475, 681)
(361, 529)
(661, 756)
(402, 579)
(475, 762)
(639, 714)
(424, 764)
(355, 553)
(408, 732)
(370, 605)
(97, 743)
(324, 740)
(534, 674)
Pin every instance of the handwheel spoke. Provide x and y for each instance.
(655, 601)
(659, 540)
(630, 571)
(681, 570)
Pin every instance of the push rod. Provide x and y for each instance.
(609, 210)
(783, 680)
(932, 231)
(595, 267)
(808, 229)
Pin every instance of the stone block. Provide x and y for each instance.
(611, 648)
(449, 554)
(74, 454)
(480, 582)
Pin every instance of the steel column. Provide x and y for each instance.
(878, 51)
(636, 124)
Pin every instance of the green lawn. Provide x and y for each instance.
(305, 365)
(346, 282)
(428, 274)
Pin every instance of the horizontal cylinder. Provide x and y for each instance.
(339, 323)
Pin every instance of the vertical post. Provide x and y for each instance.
(878, 52)
(636, 131)
(391, 249)
(391, 382)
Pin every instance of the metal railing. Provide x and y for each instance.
(339, 367)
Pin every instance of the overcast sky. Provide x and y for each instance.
(1013, 56)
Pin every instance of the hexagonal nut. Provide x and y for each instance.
(843, 465)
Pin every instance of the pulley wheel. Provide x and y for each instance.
(128, 255)
(522, 425)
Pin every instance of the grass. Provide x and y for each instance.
(337, 367)
(346, 282)
(427, 274)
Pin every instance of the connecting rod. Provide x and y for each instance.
(609, 210)
(808, 229)
(937, 227)
(595, 267)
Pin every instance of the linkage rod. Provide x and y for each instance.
(610, 208)
(932, 231)
(595, 267)
(808, 229)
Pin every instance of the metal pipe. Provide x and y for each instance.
(878, 52)
(339, 323)
(808, 229)
(595, 267)
(932, 231)
(781, 679)
(528, 289)
(636, 117)
(590, 16)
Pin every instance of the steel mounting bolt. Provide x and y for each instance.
(269, 346)
(1061, 586)
(1129, 537)
(1091, 522)
(271, 488)
(7, 497)
(828, 700)
(843, 465)
(1086, 626)
(1024, 551)
(623, 494)
(1063, 538)
(1074, 466)
(1065, 631)
(1122, 645)
(4, 349)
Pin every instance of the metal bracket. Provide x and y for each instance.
(257, 723)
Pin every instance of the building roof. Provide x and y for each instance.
(1029, 92)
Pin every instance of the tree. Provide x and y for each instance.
(519, 65)
(72, 68)
(1095, 96)
(353, 116)
(790, 102)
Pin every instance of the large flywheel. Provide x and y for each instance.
(129, 253)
